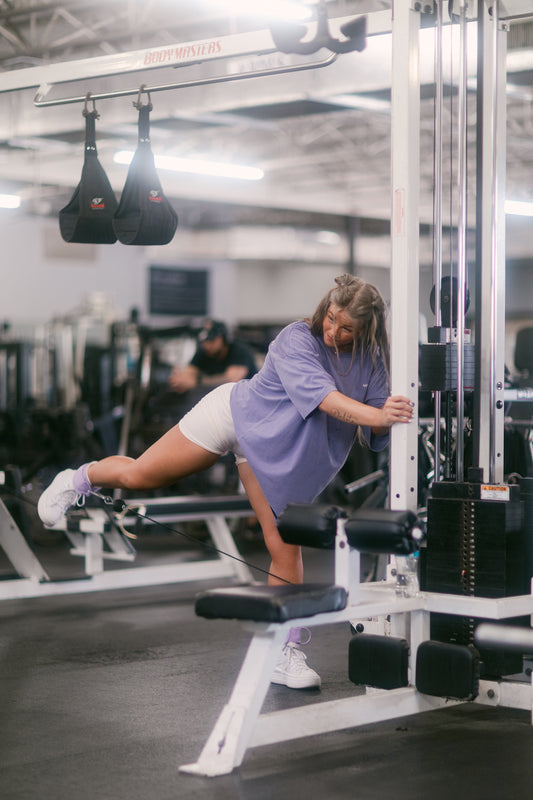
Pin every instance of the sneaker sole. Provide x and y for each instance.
(293, 684)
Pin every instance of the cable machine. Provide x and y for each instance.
(476, 536)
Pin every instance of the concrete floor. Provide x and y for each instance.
(103, 695)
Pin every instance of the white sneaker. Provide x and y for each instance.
(292, 670)
(57, 499)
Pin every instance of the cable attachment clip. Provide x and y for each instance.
(290, 38)
(138, 103)
(94, 113)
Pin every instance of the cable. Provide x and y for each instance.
(120, 508)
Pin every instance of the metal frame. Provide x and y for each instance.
(241, 725)
(405, 132)
(96, 542)
(491, 337)
(180, 54)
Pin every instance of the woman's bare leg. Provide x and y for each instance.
(286, 558)
(169, 459)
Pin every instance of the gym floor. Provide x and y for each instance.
(103, 695)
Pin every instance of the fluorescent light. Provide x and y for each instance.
(360, 101)
(9, 201)
(520, 208)
(328, 237)
(197, 166)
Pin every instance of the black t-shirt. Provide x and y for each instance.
(239, 354)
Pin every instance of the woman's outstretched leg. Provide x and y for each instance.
(168, 460)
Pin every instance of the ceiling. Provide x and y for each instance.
(321, 135)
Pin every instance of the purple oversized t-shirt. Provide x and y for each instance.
(293, 448)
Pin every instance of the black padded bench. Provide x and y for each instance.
(270, 611)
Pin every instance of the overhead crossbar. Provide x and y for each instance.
(259, 73)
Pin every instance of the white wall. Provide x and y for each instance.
(44, 277)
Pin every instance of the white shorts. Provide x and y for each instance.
(209, 424)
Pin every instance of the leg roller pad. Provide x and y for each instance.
(447, 670)
(379, 661)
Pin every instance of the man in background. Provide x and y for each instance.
(217, 360)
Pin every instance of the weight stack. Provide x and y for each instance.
(475, 547)
(438, 367)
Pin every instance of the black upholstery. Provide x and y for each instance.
(222, 505)
(271, 603)
(523, 359)
(371, 530)
(311, 525)
(382, 530)
(523, 353)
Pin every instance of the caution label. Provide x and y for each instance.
(489, 492)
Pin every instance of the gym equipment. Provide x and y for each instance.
(88, 217)
(504, 637)
(144, 215)
(288, 38)
(240, 724)
(99, 537)
(404, 662)
(476, 536)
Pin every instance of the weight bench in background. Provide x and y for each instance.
(97, 539)
(419, 675)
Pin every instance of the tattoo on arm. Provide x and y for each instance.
(343, 416)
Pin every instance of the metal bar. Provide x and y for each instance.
(334, 715)
(261, 73)
(251, 43)
(490, 338)
(496, 284)
(461, 242)
(173, 55)
(366, 480)
(494, 244)
(437, 216)
(405, 132)
(17, 549)
(505, 637)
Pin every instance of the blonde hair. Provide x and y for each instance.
(365, 306)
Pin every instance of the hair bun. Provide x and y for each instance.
(345, 280)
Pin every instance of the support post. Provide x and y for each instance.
(405, 132)
(490, 337)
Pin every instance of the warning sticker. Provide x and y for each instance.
(489, 492)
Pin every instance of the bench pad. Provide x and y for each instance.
(271, 603)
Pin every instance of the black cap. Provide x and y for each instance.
(211, 330)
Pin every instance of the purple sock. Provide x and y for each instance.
(80, 480)
(294, 636)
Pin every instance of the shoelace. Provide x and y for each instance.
(65, 500)
(296, 658)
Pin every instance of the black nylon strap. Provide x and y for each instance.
(90, 131)
(144, 123)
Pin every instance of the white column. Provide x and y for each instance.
(405, 135)
(491, 336)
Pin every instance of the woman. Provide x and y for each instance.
(290, 427)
